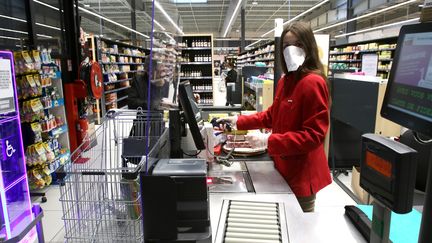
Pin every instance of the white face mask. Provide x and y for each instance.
(294, 57)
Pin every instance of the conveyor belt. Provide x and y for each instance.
(251, 222)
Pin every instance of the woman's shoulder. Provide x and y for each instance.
(312, 79)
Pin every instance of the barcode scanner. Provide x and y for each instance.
(215, 123)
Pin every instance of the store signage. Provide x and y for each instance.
(7, 104)
(370, 64)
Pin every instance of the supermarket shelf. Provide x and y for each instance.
(124, 107)
(195, 63)
(252, 86)
(202, 91)
(121, 63)
(120, 54)
(56, 103)
(120, 72)
(203, 77)
(117, 100)
(116, 90)
(118, 81)
(343, 52)
(254, 55)
(352, 60)
(205, 105)
(58, 130)
(343, 70)
(195, 48)
(264, 60)
(385, 59)
(383, 69)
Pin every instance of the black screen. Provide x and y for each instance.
(408, 99)
(191, 112)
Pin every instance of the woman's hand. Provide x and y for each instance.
(258, 140)
(225, 121)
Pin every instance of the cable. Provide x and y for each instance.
(421, 140)
(224, 160)
(191, 155)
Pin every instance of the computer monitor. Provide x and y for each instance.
(408, 98)
(191, 112)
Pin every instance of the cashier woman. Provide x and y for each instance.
(298, 117)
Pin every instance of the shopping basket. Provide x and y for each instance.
(99, 189)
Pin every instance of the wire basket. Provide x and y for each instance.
(100, 192)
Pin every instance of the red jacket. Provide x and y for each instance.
(299, 118)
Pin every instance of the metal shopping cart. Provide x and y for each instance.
(100, 192)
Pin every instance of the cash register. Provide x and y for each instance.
(174, 190)
(388, 167)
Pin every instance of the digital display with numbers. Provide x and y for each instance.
(378, 164)
(408, 99)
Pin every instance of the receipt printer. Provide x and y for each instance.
(175, 201)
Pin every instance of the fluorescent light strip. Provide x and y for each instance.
(232, 18)
(366, 15)
(379, 27)
(14, 31)
(111, 21)
(48, 26)
(46, 36)
(250, 45)
(160, 26)
(167, 16)
(46, 5)
(13, 18)
(300, 15)
(9, 37)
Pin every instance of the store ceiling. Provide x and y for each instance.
(211, 17)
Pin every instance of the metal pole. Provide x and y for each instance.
(133, 22)
(243, 27)
(29, 10)
(426, 223)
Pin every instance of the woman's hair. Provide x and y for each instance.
(306, 41)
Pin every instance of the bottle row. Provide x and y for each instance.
(195, 43)
(190, 73)
(196, 58)
(203, 86)
(205, 99)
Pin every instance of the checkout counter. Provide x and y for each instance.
(254, 180)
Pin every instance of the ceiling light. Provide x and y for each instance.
(254, 3)
(378, 27)
(232, 18)
(300, 15)
(46, 5)
(189, 1)
(111, 21)
(366, 15)
(250, 45)
(48, 26)
(87, 5)
(13, 18)
(237, 31)
(167, 16)
(46, 36)
(9, 37)
(14, 31)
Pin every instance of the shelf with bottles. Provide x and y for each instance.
(43, 115)
(263, 50)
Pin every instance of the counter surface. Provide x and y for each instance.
(329, 225)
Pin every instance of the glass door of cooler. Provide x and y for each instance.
(16, 213)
